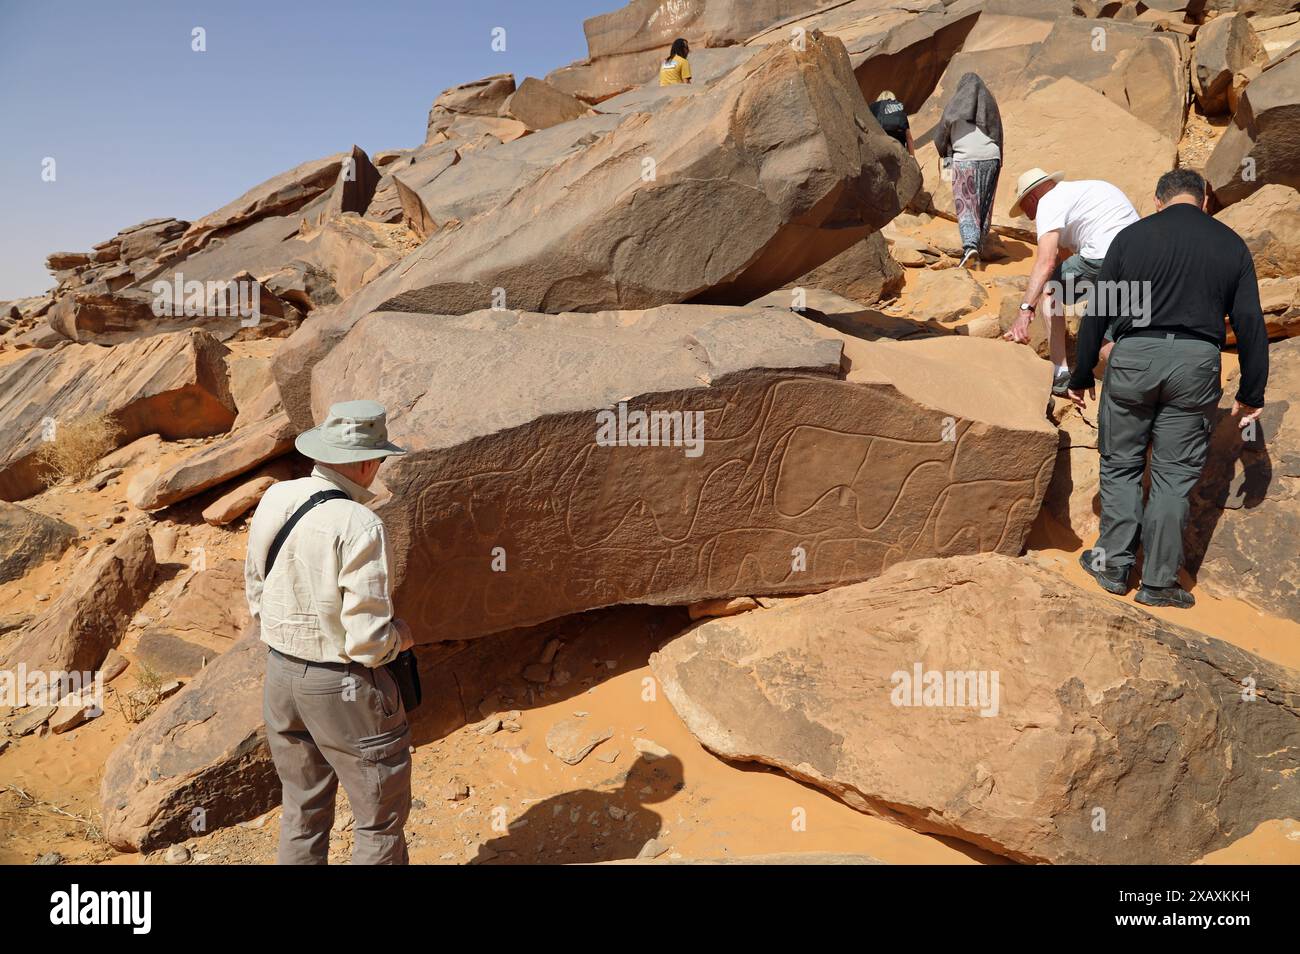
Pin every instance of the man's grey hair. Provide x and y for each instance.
(1181, 182)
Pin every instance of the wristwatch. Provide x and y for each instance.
(1025, 306)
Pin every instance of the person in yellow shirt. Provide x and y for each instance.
(675, 69)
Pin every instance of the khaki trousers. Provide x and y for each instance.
(332, 722)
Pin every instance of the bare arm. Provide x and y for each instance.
(1044, 264)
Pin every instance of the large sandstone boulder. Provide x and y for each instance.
(538, 105)
(1246, 510)
(131, 313)
(780, 152)
(28, 539)
(783, 153)
(896, 46)
(1224, 47)
(864, 272)
(172, 384)
(147, 238)
(89, 617)
(478, 98)
(197, 764)
(512, 496)
(107, 318)
(1142, 72)
(1269, 221)
(1112, 737)
(1259, 145)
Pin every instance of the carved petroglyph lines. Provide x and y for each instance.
(857, 476)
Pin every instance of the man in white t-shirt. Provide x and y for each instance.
(1083, 217)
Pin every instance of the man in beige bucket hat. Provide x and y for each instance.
(1082, 216)
(320, 592)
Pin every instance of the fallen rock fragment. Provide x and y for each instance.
(571, 740)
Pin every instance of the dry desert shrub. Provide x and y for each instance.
(136, 705)
(77, 447)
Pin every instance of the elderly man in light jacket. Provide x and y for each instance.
(333, 711)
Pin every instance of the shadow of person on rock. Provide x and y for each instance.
(586, 826)
(1238, 474)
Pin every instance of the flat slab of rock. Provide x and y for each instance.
(198, 763)
(280, 195)
(76, 633)
(28, 539)
(235, 454)
(234, 504)
(803, 480)
(210, 606)
(173, 384)
(1113, 737)
(570, 740)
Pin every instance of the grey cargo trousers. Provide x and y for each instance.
(327, 722)
(1158, 392)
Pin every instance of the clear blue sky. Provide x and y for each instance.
(141, 126)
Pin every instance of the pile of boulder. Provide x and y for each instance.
(626, 333)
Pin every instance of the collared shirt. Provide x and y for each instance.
(328, 597)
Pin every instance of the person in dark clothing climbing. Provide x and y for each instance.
(1164, 288)
(892, 116)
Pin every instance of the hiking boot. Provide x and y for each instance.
(1111, 579)
(1061, 382)
(1174, 596)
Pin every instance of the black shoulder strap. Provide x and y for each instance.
(314, 500)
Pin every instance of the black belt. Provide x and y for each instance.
(1171, 332)
(334, 666)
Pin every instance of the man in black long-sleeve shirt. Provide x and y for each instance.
(1166, 284)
